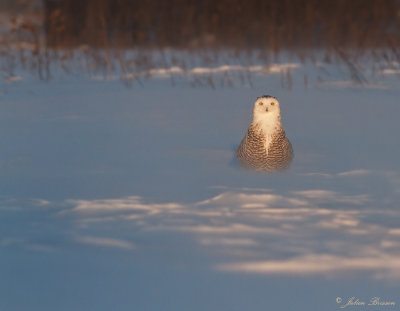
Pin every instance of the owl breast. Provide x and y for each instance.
(255, 153)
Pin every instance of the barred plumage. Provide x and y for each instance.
(265, 146)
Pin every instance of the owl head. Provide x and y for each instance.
(266, 107)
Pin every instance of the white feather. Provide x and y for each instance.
(267, 122)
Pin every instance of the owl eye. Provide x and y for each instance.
(272, 103)
(260, 103)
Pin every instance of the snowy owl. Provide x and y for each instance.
(265, 146)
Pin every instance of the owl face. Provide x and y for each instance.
(266, 106)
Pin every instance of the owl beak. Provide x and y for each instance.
(266, 109)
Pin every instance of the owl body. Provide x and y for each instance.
(265, 146)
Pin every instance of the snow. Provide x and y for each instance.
(182, 72)
(128, 198)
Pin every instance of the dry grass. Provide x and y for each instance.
(98, 35)
(272, 25)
